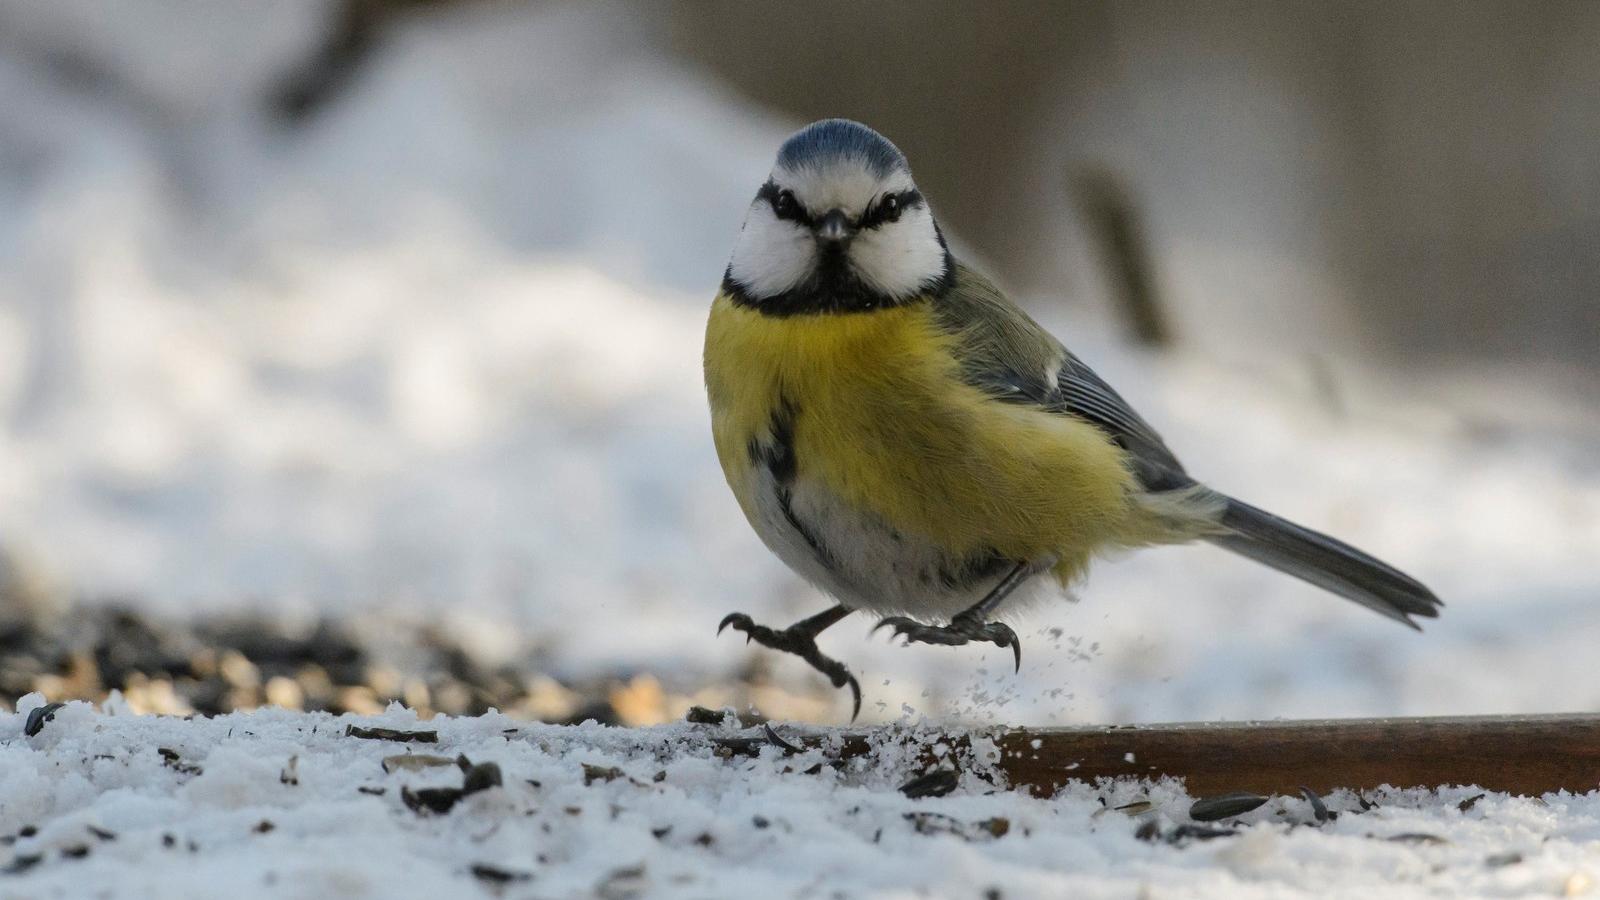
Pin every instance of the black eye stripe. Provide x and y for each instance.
(791, 211)
(877, 214)
(881, 212)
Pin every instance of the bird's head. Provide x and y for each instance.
(838, 226)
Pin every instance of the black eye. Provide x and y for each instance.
(785, 206)
(889, 208)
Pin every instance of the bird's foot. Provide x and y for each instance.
(963, 629)
(801, 643)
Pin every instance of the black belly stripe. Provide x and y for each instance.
(824, 556)
(777, 456)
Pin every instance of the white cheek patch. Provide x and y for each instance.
(900, 258)
(772, 255)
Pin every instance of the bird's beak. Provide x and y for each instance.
(834, 228)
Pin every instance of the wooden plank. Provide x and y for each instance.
(1518, 754)
(1527, 755)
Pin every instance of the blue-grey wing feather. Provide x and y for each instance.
(1014, 359)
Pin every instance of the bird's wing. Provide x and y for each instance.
(1011, 357)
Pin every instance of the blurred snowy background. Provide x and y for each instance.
(391, 313)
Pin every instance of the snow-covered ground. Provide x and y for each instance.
(436, 353)
(282, 804)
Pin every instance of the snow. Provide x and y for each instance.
(611, 812)
(436, 355)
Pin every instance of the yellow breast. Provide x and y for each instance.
(882, 419)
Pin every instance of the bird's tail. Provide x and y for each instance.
(1327, 563)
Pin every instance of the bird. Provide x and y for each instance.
(905, 437)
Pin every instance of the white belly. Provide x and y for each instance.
(855, 556)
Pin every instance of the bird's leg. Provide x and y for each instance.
(971, 624)
(801, 640)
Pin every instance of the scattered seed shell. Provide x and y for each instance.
(1319, 810)
(497, 875)
(436, 800)
(937, 783)
(699, 715)
(37, 718)
(442, 799)
(592, 773)
(414, 762)
(390, 734)
(22, 864)
(1417, 837)
(938, 823)
(481, 777)
(1212, 809)
(777, 740)
(171, 759)
(1198, 833)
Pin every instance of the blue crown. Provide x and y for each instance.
(831, 140)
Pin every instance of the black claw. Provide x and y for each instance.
(801, 643)
(910, 629)
(838, 674)
(1003, 636)
(959, 631)
(1008, 638)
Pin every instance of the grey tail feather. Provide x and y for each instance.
(1327, 563)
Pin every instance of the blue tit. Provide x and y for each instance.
(907, 439)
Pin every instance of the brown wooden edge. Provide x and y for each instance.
(1528, 755)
